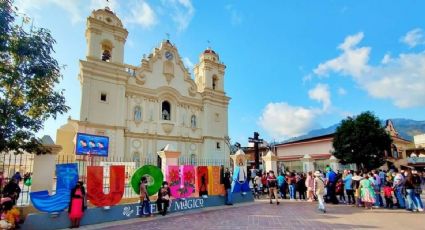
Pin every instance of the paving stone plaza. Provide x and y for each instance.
(288, 215)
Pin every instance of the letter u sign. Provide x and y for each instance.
(95, 192)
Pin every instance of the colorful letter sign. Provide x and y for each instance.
(215, 188)
(67, 177)
(202, 180)
(181, 180)
(154, 176)
(95, 185)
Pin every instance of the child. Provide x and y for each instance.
(388, 194)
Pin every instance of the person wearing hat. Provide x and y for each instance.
(319, 190)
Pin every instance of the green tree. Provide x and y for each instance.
(362, 140)
(28, 76)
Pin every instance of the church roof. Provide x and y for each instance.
(107, 15)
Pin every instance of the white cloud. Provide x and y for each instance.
(71, 7)
(236, 17)
(142, 13)
(400, 79)
(414, 37)
(281, 120)
(181, 12)
(188, 63)
(352, 61)
(342, 91)
(321, 94)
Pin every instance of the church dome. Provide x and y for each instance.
(209, 51)
(107, 16)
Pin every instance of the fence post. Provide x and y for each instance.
(168, 157)
(44, 167)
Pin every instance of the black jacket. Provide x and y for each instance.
(227, 181)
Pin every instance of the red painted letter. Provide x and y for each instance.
(95, 185)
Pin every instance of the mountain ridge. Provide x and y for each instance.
(407, 128)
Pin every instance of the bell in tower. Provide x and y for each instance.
(209, 72)
(105, 36)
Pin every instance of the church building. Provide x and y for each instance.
(144, 108)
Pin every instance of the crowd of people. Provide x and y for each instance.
(375, 189)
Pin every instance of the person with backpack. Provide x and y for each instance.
(319, 190)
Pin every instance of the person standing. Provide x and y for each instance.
(416, 181)
(349, 187)
(258, 186)
(388, 194)
(331, 179)
(367, 192)
(378, 187)
(398, 186)
(228, 187)
(281, 186)
(291, 183)
(309, 183)
(300, 187)
(412, 203)
(163, 200)
(77, 205)
(144, 198)
(319, 190)
(272, 184)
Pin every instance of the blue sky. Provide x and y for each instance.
(292, 66)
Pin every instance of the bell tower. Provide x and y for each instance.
(209, 72)
(209, 79)
(105, 36)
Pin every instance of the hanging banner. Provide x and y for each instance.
(95, 192)
(67, 178)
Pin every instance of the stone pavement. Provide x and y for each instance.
(288, 215)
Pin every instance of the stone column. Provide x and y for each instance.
(44, 166)
(334, 163)
(270, 162)
(168, 157)
(308, 163)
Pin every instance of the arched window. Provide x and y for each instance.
(193, 121)
(106, 50)
(214, 82)
(166, 110)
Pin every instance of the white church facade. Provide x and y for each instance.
(146, 107)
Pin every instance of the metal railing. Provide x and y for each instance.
(10, 164)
